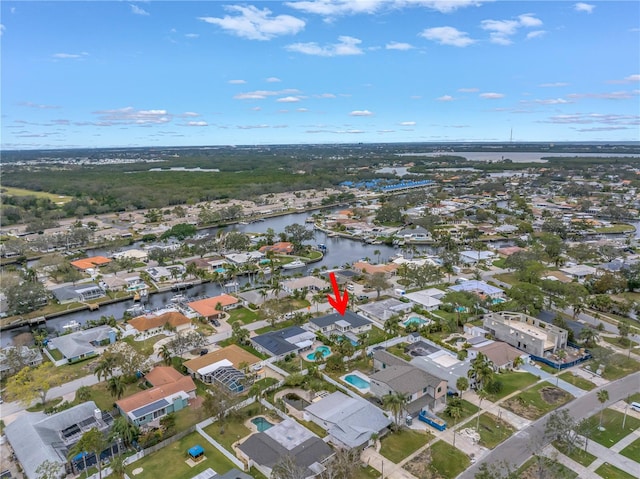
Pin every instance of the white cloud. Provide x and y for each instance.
(628, 79)
(130, 116)
(553, 85)
(262, 94)
(2, 29)
(552, 101)
(192, 35)
(398, 46)
(288, 99)
(273, 80)
(237, 82)
(190, 114)
(256, 24)
(468, 90)
(360, 113)
(614, 95)
(346, 46)
(501, 31)
(302, 110)
(407, 123)
(583, 7)
(535, 34)
(445, 98)
(138, 11)
(197, 123)
(491, 95)
(334, 8)
(39, 106)
(64, 56)
(447, 36)
(587, 118)
(325, 95)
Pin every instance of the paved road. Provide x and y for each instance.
(517, 449)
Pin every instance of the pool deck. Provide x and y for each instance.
(361, 376)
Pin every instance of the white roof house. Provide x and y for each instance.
(424, 299)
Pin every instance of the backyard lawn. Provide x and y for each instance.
(577, 381)
(511, 382)
(244, 315)
(447, 460)
(577, 454)
(468, 409)
(607, 471)
(398, 445)
(555, 470)
(619, 366)
(632, 451)
(612, 424)
(170, 461)
(234, 427)
(537, 401)
(367, 472)
(492, 430)
(144, 347)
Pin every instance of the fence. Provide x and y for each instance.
(221, 448)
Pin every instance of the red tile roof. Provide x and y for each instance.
(145, 323)
(207, 307)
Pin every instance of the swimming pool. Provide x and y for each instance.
(414, 320)
(220, 270)
(356, 381)
(325, 350)
(497, 301)
(261, 423)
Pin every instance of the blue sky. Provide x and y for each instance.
(162, 73)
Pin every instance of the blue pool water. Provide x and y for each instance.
(325, 350)
(261, 423)
(220, 270)
(497, 301)
(356, 381)
(414, 320)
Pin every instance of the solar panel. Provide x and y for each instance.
(154, 406)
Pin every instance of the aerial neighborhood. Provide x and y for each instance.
(491, 326)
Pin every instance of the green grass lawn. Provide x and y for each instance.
(492, 430)
(367, 472)
(577, 454)
(145, 346)
(555, 469)
(375, 336)
(620, 342)
(532, 405)
(619, 366)
(57, 199)
(512, 381)
(507, 278)
(246, 347)
(170, 460)
(104, 400)
(577, 381)
(447, 460)
(233, 430)
(546, 368)
(613, 430)
(633, 398)
(398, 445)
(398, 350)
(632, 451)
(607, 471)
(243, 315)
(468, 409)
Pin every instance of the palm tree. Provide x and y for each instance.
(116, 386)
(93, 442)
(124, 430)
(118, 467)
(106, 366)
(462, 384)
(517, 362)
(83, 393)
(377, 252)
(603, 397)
(391, 326)
(165, 354)
(482, 394)
(395, 402)
(481, 371)
(454, 411)
(589, 337)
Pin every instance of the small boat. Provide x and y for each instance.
(135, 310)
(178, 298)
(294, 264)
(72, 325)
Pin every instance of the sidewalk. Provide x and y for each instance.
(550, 378)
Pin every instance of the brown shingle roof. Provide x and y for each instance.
(131, 403)
(207, 307)
(161, 375)
(233, 353)
(145, 323)
(499, 353)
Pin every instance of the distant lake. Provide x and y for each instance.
(516, 157)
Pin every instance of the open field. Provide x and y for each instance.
(607, 471)
(57, 199)
(612, 424)
(511, 382)
(632, 451)
(537, 401)
(577, 381)
(492, 430)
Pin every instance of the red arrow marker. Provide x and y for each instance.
(340, 303)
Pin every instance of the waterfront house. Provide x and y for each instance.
(154, 323)
(93, 262)
(82, 344)
(348, 325)
(214, 308)
(382, 310)
(284, 341)
(14, 358)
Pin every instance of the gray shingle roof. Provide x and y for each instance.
(350, 317)
(275, 342)
(75, 344)
(405, 379)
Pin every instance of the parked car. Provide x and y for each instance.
(215, 322)
(204, 351)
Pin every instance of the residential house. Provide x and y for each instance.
(14, 358)
(442, 364)
(91, 263)
(137, 255)
(82, 344)
(501, 355)
(38, 437)
(367, 268)
(214, 308)
(154, 323)
(349, 421)
(171, 392)
(482, 289)
(395, 375)
(428, 299)
(473, 257)
(281, 247)
(349, 325)
(382, 310)
(311, 283)
(227, 366)
(284, 341)
(288, 438)
(78, 293)
(259, 296)
(525, 332)
(579, 272)
(418, 233)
